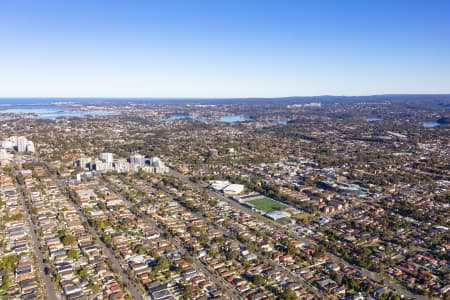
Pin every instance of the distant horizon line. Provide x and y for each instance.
(219, 98)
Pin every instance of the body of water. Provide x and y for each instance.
(430, 124)
(183, 117)
(178, 117)
(50, 112)
(27, 109)
(225, 119)
(74, 114)
(234, 118)
(373, 119)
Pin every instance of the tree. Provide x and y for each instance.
(72, 253)
(140, 249)
(68, 240)
(94, 287)
(319, 251)
(83, 273)
(291, 249)
(106, 238)
(162, 264)
(259, 280)
(189, 292)
(9, 261)
(288, 294)
(203, 239)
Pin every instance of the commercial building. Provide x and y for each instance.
(137, 160)
(277, 214)
(233, 189)
(19, 143)
(7, 144)
(226, 187)
(108, 159)
(83, 162)
(158, 165)
(30, 147)
(100, 165)
(22, 144)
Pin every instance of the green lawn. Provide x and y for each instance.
(266, 204)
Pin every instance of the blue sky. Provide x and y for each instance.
(242, 48)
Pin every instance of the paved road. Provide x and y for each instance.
(135, 292)
(372, 275)
(225, 287)
(49, 289)
(260, 255)
(226, 232)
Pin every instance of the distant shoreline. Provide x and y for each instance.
(8, 101)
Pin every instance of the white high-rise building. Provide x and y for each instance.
(22, 144)
(30, 147)
(158, 165)
(100, 165)
(7, 144)
(121, 165)
(137, 160)
(83, 162)
(108, 158)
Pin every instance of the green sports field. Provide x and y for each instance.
(266, 204)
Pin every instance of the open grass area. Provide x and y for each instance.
(266, 204)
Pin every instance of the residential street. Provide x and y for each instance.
(50, 290)
(396, 287)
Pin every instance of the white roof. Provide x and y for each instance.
(278, 214)
(219, 184)
(233, 188)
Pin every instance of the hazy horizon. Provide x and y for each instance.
(237, 97)
(46, 101)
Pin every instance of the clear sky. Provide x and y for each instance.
(228, 48)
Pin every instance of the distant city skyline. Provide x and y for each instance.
(223, 49)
